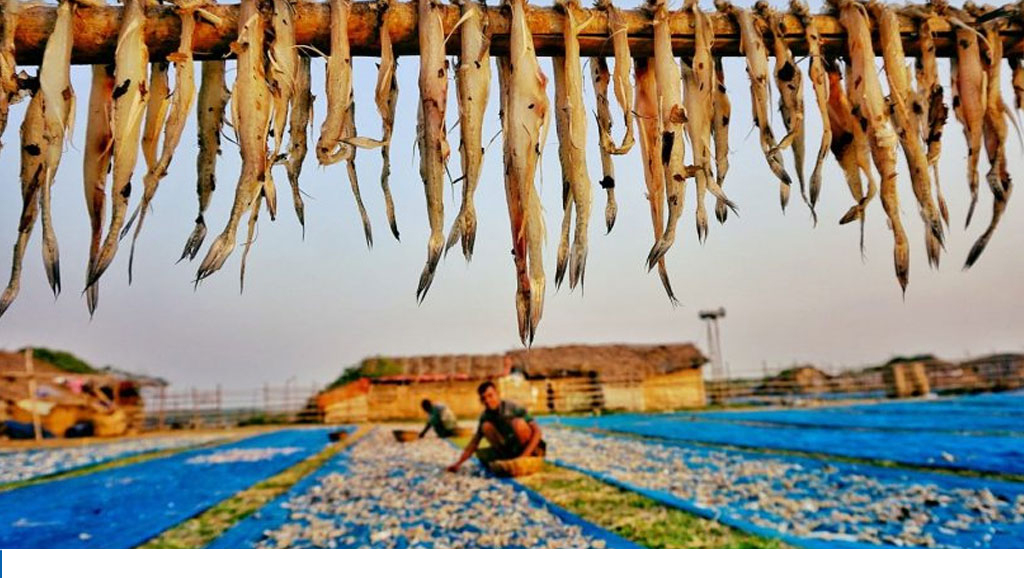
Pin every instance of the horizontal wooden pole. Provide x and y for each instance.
(95, 32)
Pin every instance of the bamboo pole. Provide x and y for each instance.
(37, 426)
(95, 32)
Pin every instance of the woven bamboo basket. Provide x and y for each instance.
(337, 436)
(517, 467)
(463, 432)
(404, 435)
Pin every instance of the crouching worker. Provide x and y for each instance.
(509, 428)
(440, 418)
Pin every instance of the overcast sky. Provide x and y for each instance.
(793, 292)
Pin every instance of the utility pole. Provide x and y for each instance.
(710, 318)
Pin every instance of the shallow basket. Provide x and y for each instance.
(404, 435)
(337, 436)
(517, 467)
(463, 432)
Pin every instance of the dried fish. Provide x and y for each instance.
(905, 118)
(648, 124)
(96, 165)
(699, 82)
(251, 129)
(577, 176)
(331, 148)
(283, 69)
(969, 95)
(131, 94)
(213, 100)
(819, 81)
(33, 165)
(299, 121)
(472, 84)
(386, 98)
(524, 115)
(789, 81)
(930, 97)
(995, 130)
(601, 78)
(673, 119)
(865, 93)
(753, 48)
(430, 130)
(720, 134)
(58, 98)
(849, 145)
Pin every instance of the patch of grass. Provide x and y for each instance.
(199, 531)
(62, 360)
(635, 517)
(109, 465)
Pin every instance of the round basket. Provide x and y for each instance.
(517, 468)
(337, 436)
(404, 435)
(463, 432)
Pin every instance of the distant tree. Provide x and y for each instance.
(369, 368)
(62, 360)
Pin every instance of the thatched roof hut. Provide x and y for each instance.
(429, 368)
(612, 362)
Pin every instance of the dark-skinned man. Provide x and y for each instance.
(508, 427)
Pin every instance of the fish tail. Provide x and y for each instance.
(667, 283)
(658, 251)
(218, 253)
(249, 235)
(611, 211)
(299, 204)
(577, 263)
(195, 240)
(353, 180)
(468, 234)
(434, 248)
(454, 235)
(721, 210)
(92, 298)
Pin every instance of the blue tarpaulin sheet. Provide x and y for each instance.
(1006, 533)
(987, 453)
(988, 414)
(126, 506)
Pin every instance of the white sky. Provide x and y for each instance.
(793, 292)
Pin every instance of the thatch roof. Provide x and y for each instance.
(435, 368)
(610, 362)
(14, 362)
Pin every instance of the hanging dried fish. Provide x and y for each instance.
(8, 66)
(623, 95)
(673, 119)
(299, 120)
(430, 130)
(524, 115)
(386, 98)
(1017, 79)
(969, 93)
(251, 130)
(930, 97)
(720, 134)
(849, 145)
(865, 93)
(901, 104)
(789, 81)
(565, 163)
(58, 97)
(472, 84)
(819, 81)
(213, 100)
(131, 94)
(995, 130)
(752, 46)
(601, 78)
(33, 165)
(648, 124)
(699, 82)
(338, 130)
(283, 60)
(578, 177)
(96, 165)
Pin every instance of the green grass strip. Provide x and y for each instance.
(199, 531)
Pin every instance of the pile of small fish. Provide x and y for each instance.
(239, 456)
(805, 498)
(133, 105)
(20, 465)
(387, 495)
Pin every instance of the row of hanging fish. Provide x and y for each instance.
(133, 106)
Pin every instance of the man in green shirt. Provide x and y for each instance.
(507, 426)
(440, 418)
